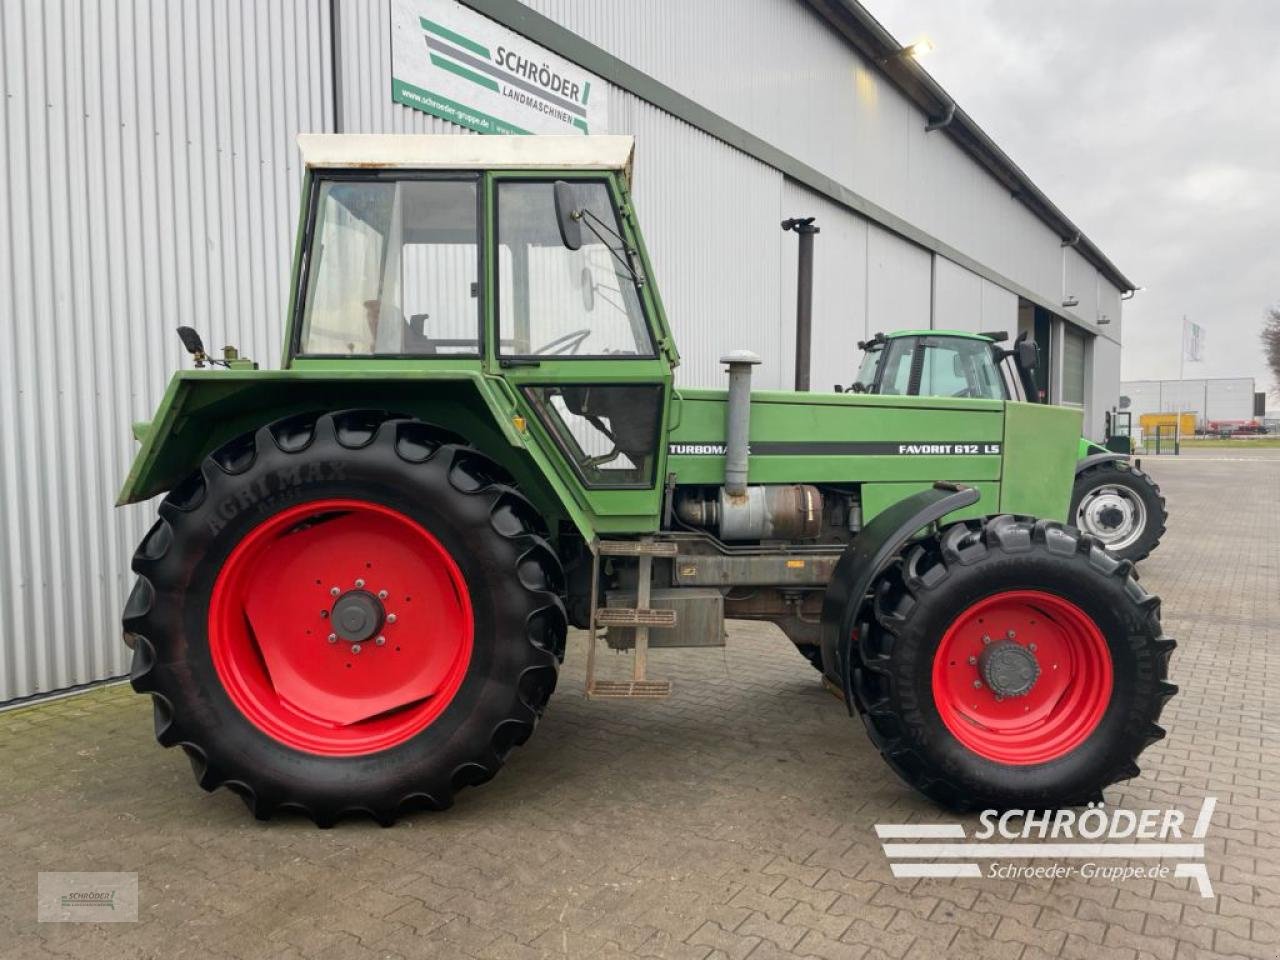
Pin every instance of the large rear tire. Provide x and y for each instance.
(1011, 663)
(1121, 506)
(346, 613)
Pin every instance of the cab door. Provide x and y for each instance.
(577, 335)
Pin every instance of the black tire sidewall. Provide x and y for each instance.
(1110, 747)
(429, 763)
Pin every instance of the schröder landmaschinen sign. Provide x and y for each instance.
(454, 63)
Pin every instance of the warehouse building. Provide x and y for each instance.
(1213, 401)
(152, 178)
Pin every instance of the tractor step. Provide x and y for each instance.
(635, 617)
(629, 689)
(636, 548)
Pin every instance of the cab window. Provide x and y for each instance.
(393, 269)
(557, 302)
(959, 367)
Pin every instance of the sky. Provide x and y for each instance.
(1155, 126)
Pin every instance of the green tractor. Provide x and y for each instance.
(356, 597)
(1112, 498)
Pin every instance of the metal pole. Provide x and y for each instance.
(804, 227)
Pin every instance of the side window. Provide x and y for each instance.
(553, 301)
(943, 373)
(394, 271)
(609, 432)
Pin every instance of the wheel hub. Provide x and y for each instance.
(1111, 517)
(1009, 670)
(357, 615)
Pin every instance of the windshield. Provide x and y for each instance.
(394, 269)
(553, 301)
(866, 378)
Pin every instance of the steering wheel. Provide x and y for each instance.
(565, 344)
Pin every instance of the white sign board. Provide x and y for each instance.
(455, 64)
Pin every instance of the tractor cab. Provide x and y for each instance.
(948, 363)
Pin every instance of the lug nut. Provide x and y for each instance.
(985, 638)
(355, 648)
(382, 594)
(973, 661)
(333, 638)
(977, 684)
(324, 614)
(1031, 647)
(359, 584)
(999, 699)
(1010, 634)
(334, 591)
(391, 618)
(380, 641)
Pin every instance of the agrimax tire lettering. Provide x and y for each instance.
(267, 486)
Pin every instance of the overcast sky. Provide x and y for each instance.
(1155, 126)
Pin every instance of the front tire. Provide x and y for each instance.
(347, 613)
(1121, 506)
(1011, 663)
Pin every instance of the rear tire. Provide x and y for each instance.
(1121, 506)
(1095, 694)
(259, 698)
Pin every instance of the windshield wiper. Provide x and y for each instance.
(628, 262)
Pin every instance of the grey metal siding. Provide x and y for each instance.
(149, 179)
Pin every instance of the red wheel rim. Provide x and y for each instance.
(294, 599)
(1066, 700)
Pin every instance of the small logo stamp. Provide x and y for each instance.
(85, 897)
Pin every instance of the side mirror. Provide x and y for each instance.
(568, 216)
(1026, 354)
(191, 342)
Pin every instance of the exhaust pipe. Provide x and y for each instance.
(738, 420)
(804, 227)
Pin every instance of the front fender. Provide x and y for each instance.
(866, 558)
(1096, 458)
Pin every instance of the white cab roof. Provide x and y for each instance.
(457, 152)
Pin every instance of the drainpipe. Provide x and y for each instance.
(738, 420)
(804, 227)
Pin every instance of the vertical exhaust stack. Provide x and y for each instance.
(738, 420)
(804, 227)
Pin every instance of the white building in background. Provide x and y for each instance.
(1211, 400)
(152, 180)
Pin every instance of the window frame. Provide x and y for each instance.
(318, 179)
(624, 230)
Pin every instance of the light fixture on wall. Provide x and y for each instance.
(912, 51)
(1071, 301)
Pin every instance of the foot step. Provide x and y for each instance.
(632, 617)
(636, 548)
(629, 689)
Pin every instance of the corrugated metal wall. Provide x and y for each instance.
(148, 177)
(1218, 398)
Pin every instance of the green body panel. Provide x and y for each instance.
(1088, 448)
(1040, 471)
(875, 440)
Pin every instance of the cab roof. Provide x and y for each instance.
(413, 151)
(939, 333)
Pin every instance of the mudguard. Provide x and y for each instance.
(1094, 459)
(870, 554)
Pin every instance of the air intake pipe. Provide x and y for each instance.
(738, 420)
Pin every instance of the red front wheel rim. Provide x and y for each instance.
(340, 627)
(985, 660)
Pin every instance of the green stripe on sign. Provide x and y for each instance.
(457, 38)
(462, 71)
(580, 123)
(586, 89)
(447, 109)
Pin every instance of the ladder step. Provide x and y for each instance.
(633, 617)
(629, 689)
(636, 548)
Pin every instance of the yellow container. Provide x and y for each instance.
(1167, 424)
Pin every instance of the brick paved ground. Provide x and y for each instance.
(734, 820)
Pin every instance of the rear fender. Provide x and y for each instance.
(202, 410)
(870, 554)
